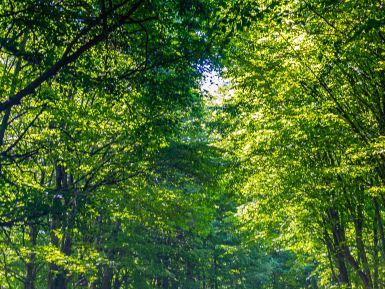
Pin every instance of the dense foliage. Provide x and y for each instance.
(117, 169)
(308, 103)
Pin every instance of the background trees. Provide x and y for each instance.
(308, 103)
(118, 171)
(94, 97)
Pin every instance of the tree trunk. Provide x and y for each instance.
(107, 277)
(380, 226)
(57, 278)
(358, 224)
(338, 241)
(375, 253)
(30, 277)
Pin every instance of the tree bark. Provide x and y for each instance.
(58, 275)
(30, 277)
(358, 224)
(375, 253)
(338, 243)
(107, 277)
(380, 226)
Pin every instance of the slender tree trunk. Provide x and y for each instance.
(343, 251)
(358, 224)
(338, 247)
(107, 277)
(331, 257)
(375, 253)
(214, 277)
(189, 275)
(352, 261)
(7, 113)
(30, 277)
(58, 275)
(380, 226)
